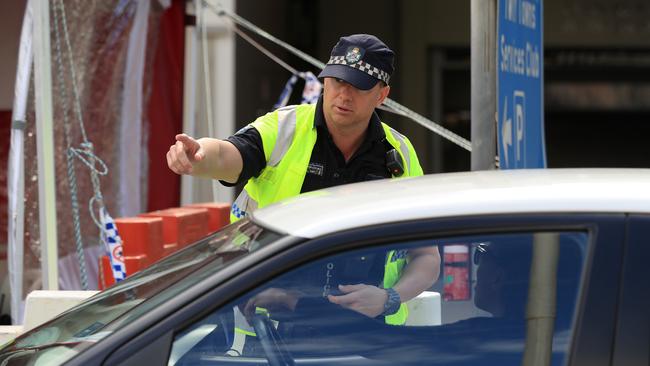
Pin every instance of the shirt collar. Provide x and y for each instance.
(375, 130)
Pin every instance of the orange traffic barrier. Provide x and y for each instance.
(182, 225)
(219, 214)
(154, 235)
(133, 264)
(141, 236)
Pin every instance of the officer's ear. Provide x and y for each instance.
(383, 93)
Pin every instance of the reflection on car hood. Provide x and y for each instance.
(458, 194)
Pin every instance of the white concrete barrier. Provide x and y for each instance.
(425, 309)
(41, 306)
(9, 332)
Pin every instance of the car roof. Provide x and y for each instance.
(460, 194)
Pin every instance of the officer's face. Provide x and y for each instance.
(345, 106)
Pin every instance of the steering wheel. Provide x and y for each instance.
(273, 346)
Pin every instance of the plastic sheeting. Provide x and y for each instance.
(100, 33)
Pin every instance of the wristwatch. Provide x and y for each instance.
(393, 302)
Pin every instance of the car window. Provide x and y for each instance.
(481, 310)
(99, 316)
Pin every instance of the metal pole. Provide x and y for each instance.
(45, 145)
(483, 84)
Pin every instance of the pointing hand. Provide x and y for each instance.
(182, 156)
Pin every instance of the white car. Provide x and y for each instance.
(537, 265)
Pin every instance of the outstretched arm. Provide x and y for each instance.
(205, 157)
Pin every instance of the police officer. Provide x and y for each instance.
(339, 140)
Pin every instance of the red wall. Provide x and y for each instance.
(165, 112)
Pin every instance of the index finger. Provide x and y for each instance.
(191, 146)
(185, 139)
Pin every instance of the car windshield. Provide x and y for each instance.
(94, 319)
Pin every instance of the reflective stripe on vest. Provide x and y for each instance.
(286, 130)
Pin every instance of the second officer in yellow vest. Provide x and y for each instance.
(339, 140)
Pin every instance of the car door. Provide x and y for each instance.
(463, 321)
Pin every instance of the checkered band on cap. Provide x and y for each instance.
(361, 66)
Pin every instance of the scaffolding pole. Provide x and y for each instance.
(483, 83)
(45, 145)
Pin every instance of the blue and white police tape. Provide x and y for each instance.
(310, 93)
(113, 244)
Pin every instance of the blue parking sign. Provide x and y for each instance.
(520, 84)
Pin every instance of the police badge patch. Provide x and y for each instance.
(354, 54)
(315, 169)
